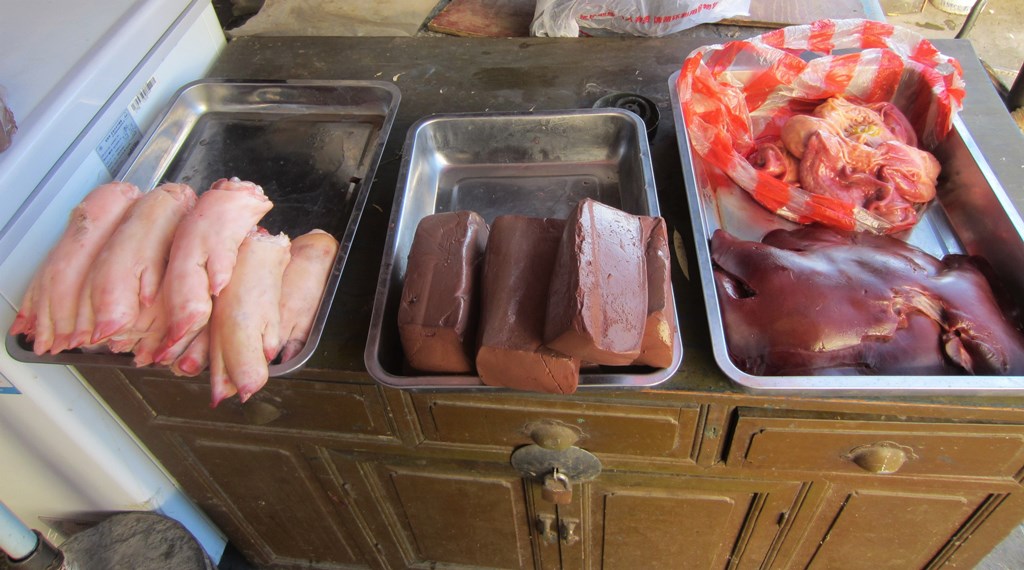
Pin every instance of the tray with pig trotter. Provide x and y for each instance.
(800, 300)
(313, 147)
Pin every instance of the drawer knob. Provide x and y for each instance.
(882, 458)
(553, 435)
(260, 413)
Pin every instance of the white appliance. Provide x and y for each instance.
(85, 80)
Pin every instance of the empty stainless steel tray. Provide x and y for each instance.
(971, 215)
(312, 145)
(535, 164)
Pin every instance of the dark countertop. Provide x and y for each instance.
(448, 74)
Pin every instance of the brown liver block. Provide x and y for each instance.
(597, 305)
(438, 310)
(517, 268)
(658, 345)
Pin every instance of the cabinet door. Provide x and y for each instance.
(885, 527)
(677, 522)
(279, 514)
(436, 512)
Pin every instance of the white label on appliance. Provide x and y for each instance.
(141, 97)
(6, 387)
(114, 149)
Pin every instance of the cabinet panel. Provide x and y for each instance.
(442, 512)
(283, 404)
(963, 450)
(277, 502)
(679, 522)
(649, 527)
(897, 530)
(446, 513)
(651, 431)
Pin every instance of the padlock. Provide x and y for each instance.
(557, 488)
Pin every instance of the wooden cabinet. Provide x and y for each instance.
(890, 528)
(427, 512)
(347, 474)
(898, 493)
(676, 521)
(260, 485)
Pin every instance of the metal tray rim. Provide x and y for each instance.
(471, 382)
(299, 360)
(832, 385)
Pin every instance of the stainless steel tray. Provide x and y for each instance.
(972, 214)
(313, 146)
(535, 164)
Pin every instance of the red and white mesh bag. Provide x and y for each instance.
(735, 94)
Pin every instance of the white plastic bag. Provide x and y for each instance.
(736, 94)
(652, 18)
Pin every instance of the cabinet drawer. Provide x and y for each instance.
(864, 446)
(284, 403)
(506, 421)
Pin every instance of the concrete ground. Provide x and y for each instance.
(997, 36)
(1007, 556)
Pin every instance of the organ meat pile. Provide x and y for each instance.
(863, 154)
(181, 281)
(849, 159)
(821, 301)
(827, 126)
(528, 300)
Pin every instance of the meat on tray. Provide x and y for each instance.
(141, 273)
(658, 343)
(555, 293)
(49, 308)
(517, 269)
(438, 312)
(195, 358)
(597, 305)
(864, 154)
(245, 325)
(819, 301)
(302, 288)
(146, 334)
(204, 252)
(127, 273)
